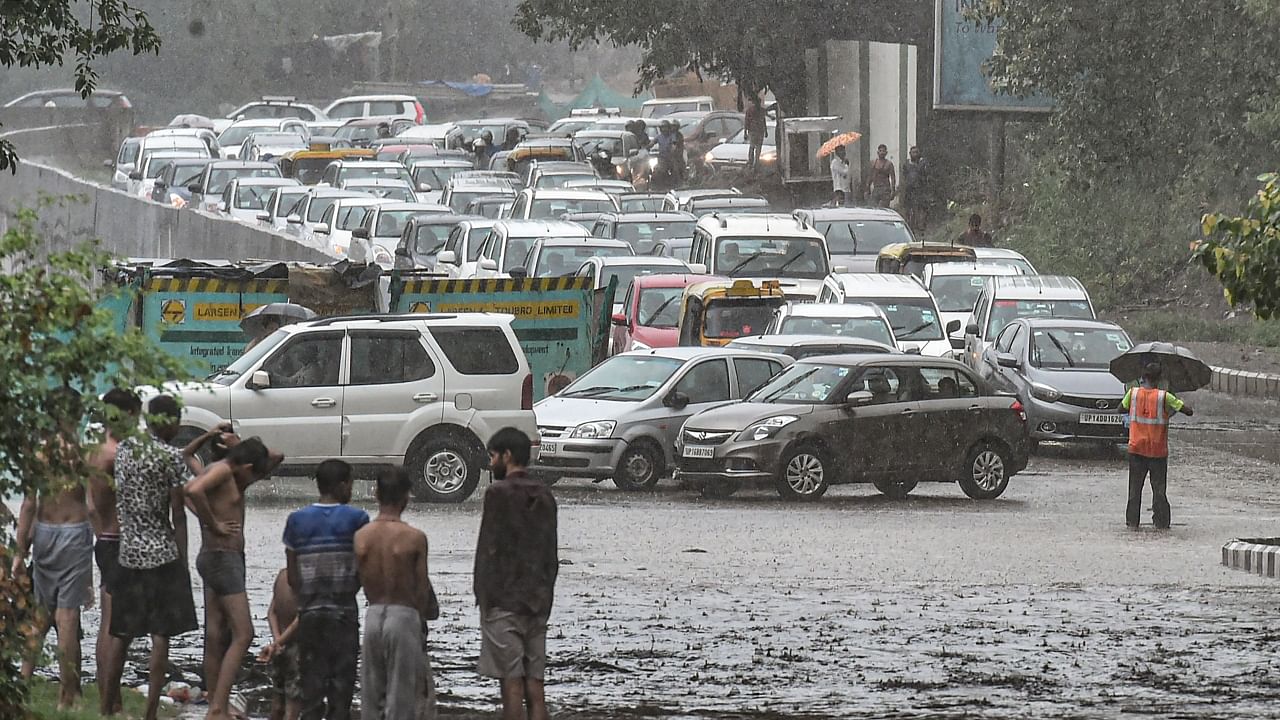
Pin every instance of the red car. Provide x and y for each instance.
(650, 312)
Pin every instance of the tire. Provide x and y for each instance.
(184, 437)
(444, 468)
(718, 489)
(986, 471)
(639, 468)
(896, 489)
(804, 473)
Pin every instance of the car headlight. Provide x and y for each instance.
(1043, 392)
(383, 258)
(768, 157)
(622, 171)
(767, 428)
(708, 157)
(594, 430)
(653, 163)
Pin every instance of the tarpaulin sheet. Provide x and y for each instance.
(470, 89)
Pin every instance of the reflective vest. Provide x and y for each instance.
(1148, 423)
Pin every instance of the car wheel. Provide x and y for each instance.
(185, 435)
(639, 468)
(444, 469)
(986, 472)
(896, 489)
(804, 473)
(718, 489)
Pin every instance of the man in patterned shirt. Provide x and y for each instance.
(154, 594)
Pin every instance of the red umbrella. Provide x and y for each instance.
(840, 140)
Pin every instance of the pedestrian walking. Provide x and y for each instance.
(281, 654)
(392, 559)
(756, 125)
(975, 236)
(882, 183)
(1149, 411)
(517, 559)
(915, 189)
(840, 180)
(123, 408)
(54, 527)
(217, 497)
(154, 592)
(319, 545)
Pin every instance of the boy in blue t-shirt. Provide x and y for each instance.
(319, 545)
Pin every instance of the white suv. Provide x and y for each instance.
(424, 391)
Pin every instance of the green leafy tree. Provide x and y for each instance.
(57, 32)
(57, 338)
(1243, 251)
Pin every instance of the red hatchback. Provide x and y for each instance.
(650, 312)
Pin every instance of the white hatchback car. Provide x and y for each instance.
(423, 391)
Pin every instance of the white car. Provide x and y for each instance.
(551, 204)
(1007, 257)
(623, 269)
(432, 174)
(344, 215)
(762, 247)
(245, 198)
(956, 286)
(279, 204)
(270, 145)
(301, 223)
(426, 392)
(733, 153)
(385, 188)
(132, 155)
(391, 107)
(143, 180)
(461, 253)
(232, 138)
(912, 312)
(863, 321)
(379, 234)
(508, 243)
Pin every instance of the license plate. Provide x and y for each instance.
(695, 451)
(1101, 419)
(546, 448)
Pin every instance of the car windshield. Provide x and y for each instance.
(351, 217)
(624, 377)
(279, 139)
(660, 307)
(1077, 349)
(400, 193)
(626, 274)
(862, 237)
(642, 235)
(737, 317)
(641, 204)
(155, 166)
(771, 257)
(957, 293)
(235, 135)
(611, 145)
(318, 208)
(802, 383)
(310, 170)
(356, 133)
(184, 175)
(252, 197)
(557, 181)
(436, 176)
(430, 239)
(391, 222)
(473, 132)
(542, 209)
(872, 328)
(228, 375)
(219, 177)
(1004, 312)
(358, 171)
(564, 260)
(911, 318)
(262, 112)
(460, 201)
(658, 110)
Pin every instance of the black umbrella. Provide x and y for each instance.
(254, 324)
(1181, 370)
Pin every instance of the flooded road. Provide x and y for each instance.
(1038, 604)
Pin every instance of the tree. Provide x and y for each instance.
(1243, 251)
(54, 32)
(57, 338)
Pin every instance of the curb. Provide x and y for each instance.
(1259, 556)
(1247, 384)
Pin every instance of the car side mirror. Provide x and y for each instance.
(840, 269)
(447, 257)
(633, 152)
(424, 187)
(676, 400)
(723, 141)
(859, 398)
(953, 326)
(360, 233)
(1007, 360)
(294, 219)
(322, 229)
(697, 269)
(135, 175)
(971, 329)
(109, 164)
(489, 264)
(402, 251)
(264, 217)
(618, 319)
(519, 273)
(260, 380)
(195, 189)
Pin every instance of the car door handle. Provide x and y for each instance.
(908, 411)
(975, 408)
(323, 402)
(425, 398)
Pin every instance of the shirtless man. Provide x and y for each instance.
(54, 526)
(123, 407)
(217, 499)
(391, 558)
(882, 182)
(282, 652)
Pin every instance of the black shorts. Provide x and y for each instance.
(156, 601)
(222, 571)
(107, 552)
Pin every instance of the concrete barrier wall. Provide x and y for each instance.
(73, 211)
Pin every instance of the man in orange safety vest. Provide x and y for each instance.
(1150, 410)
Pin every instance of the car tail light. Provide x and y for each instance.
(1017, 408)
(526, 394)
(420, 115)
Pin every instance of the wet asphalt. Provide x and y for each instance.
(1038, 604)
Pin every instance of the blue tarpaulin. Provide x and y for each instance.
(471, 89)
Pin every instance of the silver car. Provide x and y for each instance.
(620, 419)
(1058, 368)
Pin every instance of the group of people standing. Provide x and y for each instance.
(882, 184)
(124, 503)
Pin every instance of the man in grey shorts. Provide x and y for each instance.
(517, 560)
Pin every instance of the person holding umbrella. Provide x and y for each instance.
(1149, 410)
(264, 320)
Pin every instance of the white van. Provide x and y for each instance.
(1006, 299)
(661, 107)
(911, 310)
(762, 247)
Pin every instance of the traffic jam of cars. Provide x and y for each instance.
(746, 347)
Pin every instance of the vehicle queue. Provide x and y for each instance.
(748, 347)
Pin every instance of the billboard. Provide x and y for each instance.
(198, 318)
(961, 47)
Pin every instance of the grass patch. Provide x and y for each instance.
(43, 703)
(1171, 326)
